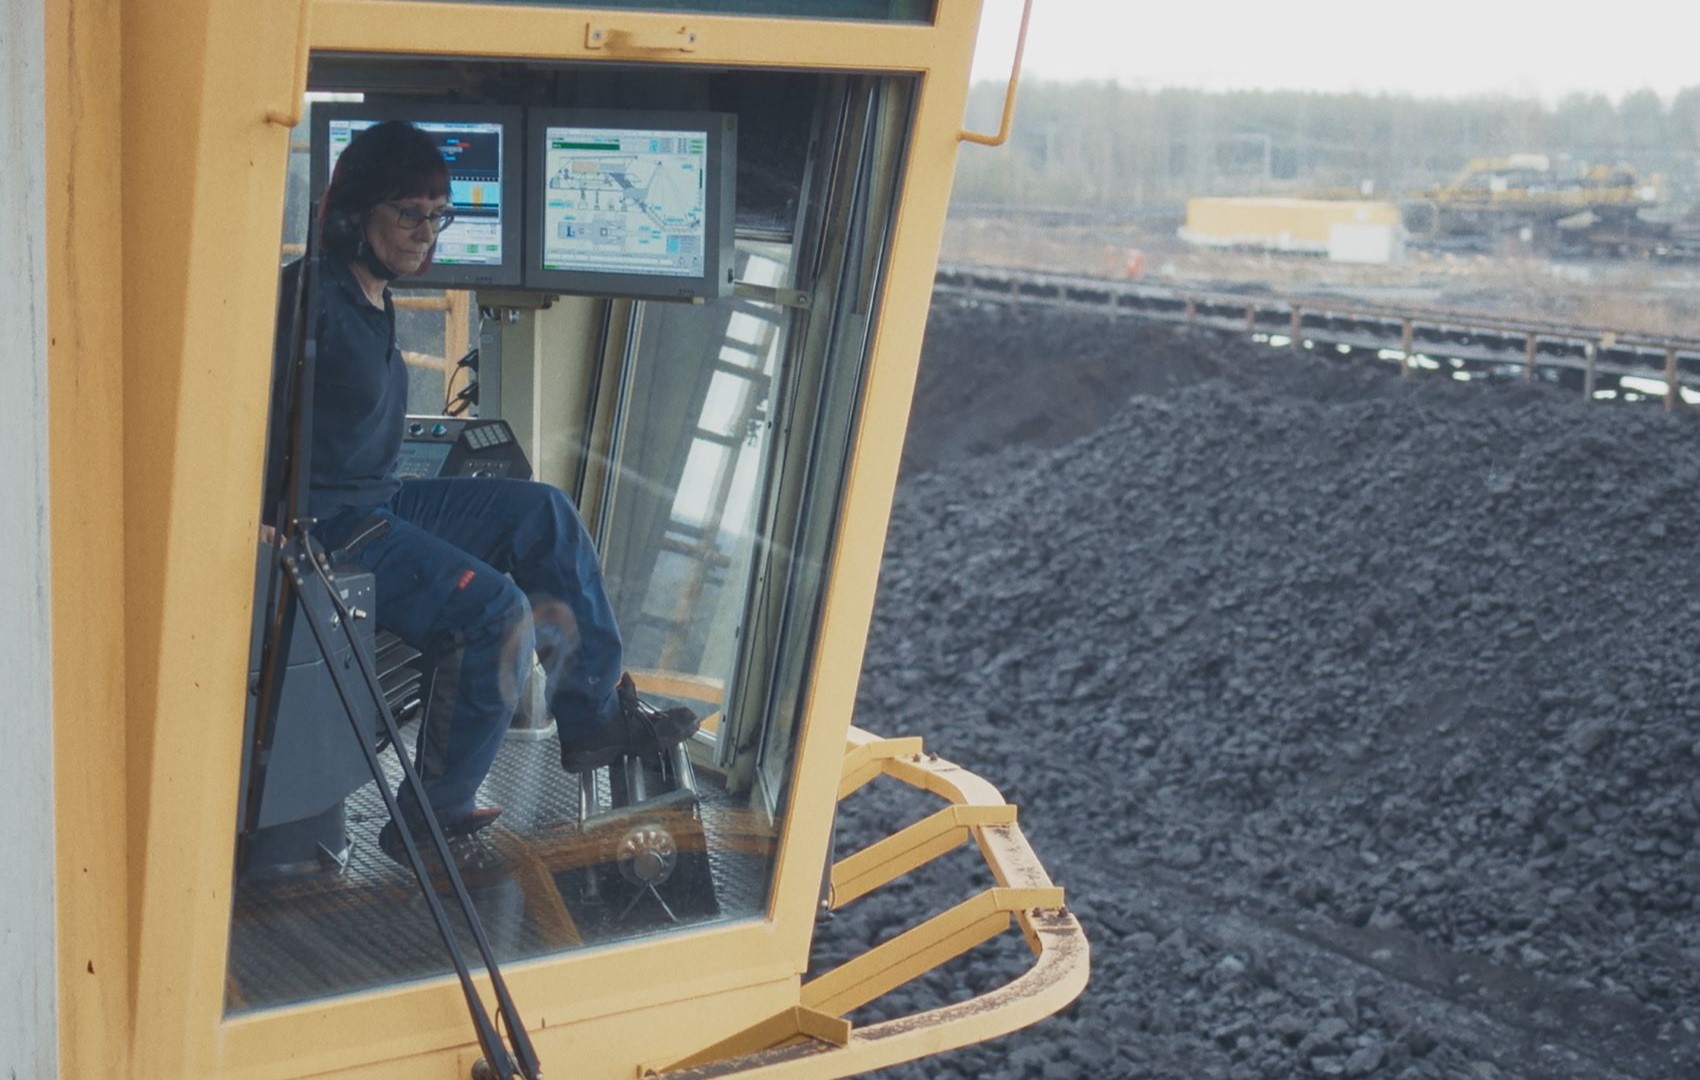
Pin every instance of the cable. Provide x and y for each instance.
(448, 389)
(469, 362)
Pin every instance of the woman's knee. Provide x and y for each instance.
(549, 528)
(501, 635)
(511, 612)
(559, 508)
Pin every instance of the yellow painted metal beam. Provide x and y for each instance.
(945, 779)
(865, 758)
(906, 957)
(921, 948)
(920, 843)
(729, 967)
(519, 31)
(203, 182)
(791, 1025)
(1056, 978)
(862, 748)
(86, 424)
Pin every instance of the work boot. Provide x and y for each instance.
(472, 856)
(638, 729)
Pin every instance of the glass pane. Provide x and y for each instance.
(709, 441)
(873, 117)
(681, 525)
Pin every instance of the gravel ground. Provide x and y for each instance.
(1355, 713)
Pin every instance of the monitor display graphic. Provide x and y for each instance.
(631, 203)
(481, 146)
(625, 200)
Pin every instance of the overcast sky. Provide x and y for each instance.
(1450, 48)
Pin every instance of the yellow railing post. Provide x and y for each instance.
(1002, 134)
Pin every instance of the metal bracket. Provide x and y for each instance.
(615, 39)
(772, 294)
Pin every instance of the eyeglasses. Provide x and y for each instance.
(409, 218)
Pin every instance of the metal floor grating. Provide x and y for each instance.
(553, 889)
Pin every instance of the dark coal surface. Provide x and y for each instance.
(1355, 713)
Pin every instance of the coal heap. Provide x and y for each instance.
(1356, 713)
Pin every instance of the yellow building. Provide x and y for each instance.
(1310, 226)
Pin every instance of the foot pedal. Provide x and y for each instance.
(644, 816)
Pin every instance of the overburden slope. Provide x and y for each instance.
(1356, 713)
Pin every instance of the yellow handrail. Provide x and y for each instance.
(1002, 135)
(813, 1041)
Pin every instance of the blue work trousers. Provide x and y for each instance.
(481, 575)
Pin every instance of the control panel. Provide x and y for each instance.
(433, 446)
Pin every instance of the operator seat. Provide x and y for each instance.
(316, 761)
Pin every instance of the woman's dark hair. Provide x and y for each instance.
(391, 160)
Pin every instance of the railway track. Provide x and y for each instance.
(1595, 360)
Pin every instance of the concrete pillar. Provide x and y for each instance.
(28, 994)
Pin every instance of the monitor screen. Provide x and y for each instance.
(481, 145)
(631, 203)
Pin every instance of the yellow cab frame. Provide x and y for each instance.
(166, 138)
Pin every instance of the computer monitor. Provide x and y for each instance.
(630, 202)
(482, 145)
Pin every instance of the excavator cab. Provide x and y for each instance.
(685, 284)
(658, 303)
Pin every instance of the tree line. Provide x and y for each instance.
(1100, 145)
